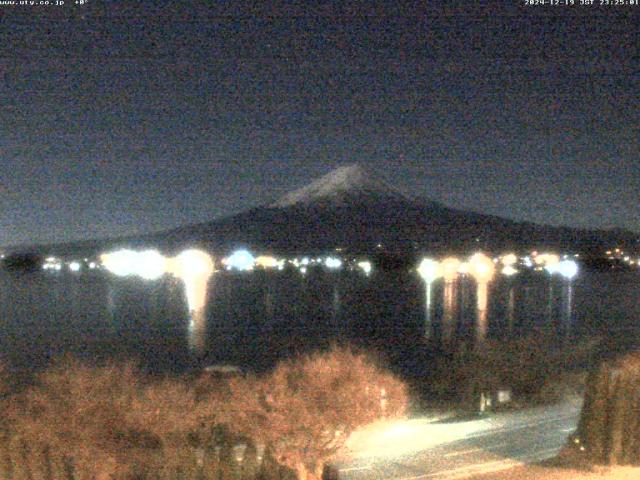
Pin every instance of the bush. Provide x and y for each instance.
(307, 407)
(113, 422)
(536, 368)
(609, 427)
(105, 421)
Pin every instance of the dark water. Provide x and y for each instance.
(253, 319)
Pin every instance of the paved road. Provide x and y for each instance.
(419, 449)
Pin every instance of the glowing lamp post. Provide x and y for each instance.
(482, 269)
(449, 267)
(568, 269)
(430, 271)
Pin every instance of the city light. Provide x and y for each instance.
(509, 271)
(333, 263)
(193, 267)
(429, 270)
(241, 260)
(119, 263)
(568, 269)
(509, 259)
(148, 264)
(74, 266)
(52, 263)
(365, 266)
(481, 268)
(449, 268)
(266, 261)
(151, 265)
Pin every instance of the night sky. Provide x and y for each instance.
(121, 118)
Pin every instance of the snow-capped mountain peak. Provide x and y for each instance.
(346, 180)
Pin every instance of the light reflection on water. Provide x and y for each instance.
(256, 317)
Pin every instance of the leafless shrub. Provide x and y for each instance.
(536, 368)
(307, 407)
(105, 421)
(609, 427)
(113, 422)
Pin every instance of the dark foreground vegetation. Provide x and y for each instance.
(80, 422)
(538, 369)
(606, 443)
(75, 421)
(609, 429)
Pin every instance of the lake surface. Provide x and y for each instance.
(255, 318)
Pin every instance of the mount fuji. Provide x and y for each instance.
(352, 208)
(340, 186)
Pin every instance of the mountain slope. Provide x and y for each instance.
(352, 208)
(339, 185)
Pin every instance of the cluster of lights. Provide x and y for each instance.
(151, 265)
(74, 266)
(193, 267)
(55, 264)
(52, 263)
(333, 263)
(551, 263)
(545, 261)
(148, 264)
(483, 268)
(509, 270)
(304, 262)
(478, 265)
(244, 261)
(365, 266)
(267, 262)
(621, 255)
